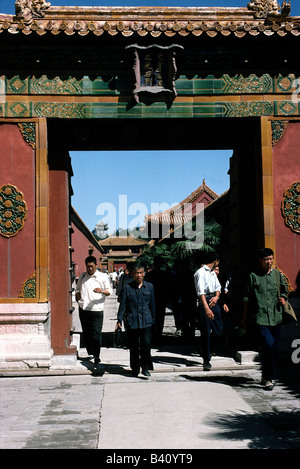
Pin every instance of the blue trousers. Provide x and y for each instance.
(209, 327)
(269, 339)
(139, 343)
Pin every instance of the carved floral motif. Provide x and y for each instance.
(12, 210)
(28, 289)
(27, 129)
(249, 84)
(278, 129)
(290, 207)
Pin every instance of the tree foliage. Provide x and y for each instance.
(172, 253)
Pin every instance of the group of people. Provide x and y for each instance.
(137, 310)
(265, 295)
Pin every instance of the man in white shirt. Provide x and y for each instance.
(91, 290)
(208, 290)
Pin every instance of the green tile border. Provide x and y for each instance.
(123, 110)
(195, 86)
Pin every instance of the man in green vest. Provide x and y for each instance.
(266, 293)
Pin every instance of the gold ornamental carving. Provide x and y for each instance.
(30, 9)
(28, 289)
(278, 130)
(290, 207)
(27, 130)
(13, 210)
(265, 8)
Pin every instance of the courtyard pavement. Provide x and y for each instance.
(179, 410)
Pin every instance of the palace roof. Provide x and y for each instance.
(175, 215)
(40, 18)
(112, 241)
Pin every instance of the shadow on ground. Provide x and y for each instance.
(284, 425)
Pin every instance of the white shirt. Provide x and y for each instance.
(113, 275)
(86, 284)
(206, 281)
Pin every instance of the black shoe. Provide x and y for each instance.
(146, 373)
(269, 385)
(97, 361)
(134, 374)
(206, 366)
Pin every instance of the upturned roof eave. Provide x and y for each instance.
(221, 198)
(158, 217)
(168, 21)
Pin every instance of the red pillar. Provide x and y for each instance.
(286, 172)
(59, 253)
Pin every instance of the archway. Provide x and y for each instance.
(244, 205)
(79, 79)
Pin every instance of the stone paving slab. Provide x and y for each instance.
(179, 406)
(199, 410)
(50, 412)
(185, 415)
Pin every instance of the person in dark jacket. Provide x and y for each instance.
(138, 305)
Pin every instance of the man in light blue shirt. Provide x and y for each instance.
(208, 290)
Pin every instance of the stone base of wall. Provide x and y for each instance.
(25, 341)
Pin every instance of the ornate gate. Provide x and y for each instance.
(137, 78)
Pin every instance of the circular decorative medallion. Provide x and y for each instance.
(28, 289)
(12, 210)
(291, 207)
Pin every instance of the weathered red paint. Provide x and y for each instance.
(17, 167)
(81, 245)
(286, 171)
(59, 262)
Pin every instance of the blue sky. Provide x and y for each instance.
(7, 6)
(145, 178)
(141, 179)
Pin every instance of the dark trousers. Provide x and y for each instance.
(139, 343)
(209, 327)
(269, 339)
(91, 323)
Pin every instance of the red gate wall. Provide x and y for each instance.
(286, 171)
(17, 167)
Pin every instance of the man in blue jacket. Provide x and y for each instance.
(137, 308)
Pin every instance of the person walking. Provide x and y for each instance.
(92, 288)
(138, 303)
(125, 278)
(264, 305)
(113, 276)
(208, 290)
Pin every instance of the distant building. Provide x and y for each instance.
(101, 228)
(116, 251)
(160, 224)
